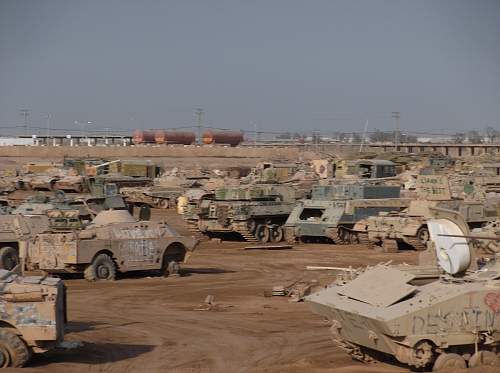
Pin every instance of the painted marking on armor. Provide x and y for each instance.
(492, 300)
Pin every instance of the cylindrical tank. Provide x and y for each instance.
(143, 137)
(174, 137)
(232, 138)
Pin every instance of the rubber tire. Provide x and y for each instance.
(262, 233)
(420, 232)
(454, 361)
(484, 358)
(19, 353)
(8, 254)
(170, 267)
(90, 272)
(277, 234)
(164, 204)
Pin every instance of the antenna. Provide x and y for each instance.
(364, 137)
(199, 113)
(26, 113)
(396, 115)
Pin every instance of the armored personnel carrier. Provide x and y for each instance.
(333, 210)
(33, 316)
(256, 212)
(440, 315)
(113, 242)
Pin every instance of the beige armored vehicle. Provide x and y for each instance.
(33, 316)
(443, 315)
(113, 242)
(155, 196)
(392, 230)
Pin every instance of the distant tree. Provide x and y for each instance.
(356, 138)
(459, 138)
(474, 137)
(492, 134)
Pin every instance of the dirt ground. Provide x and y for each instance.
(146, 323)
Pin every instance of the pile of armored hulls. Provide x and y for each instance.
(92, 217)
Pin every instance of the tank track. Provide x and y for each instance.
(242, 229)
(192, 227)
(416, 243)
(362, 238)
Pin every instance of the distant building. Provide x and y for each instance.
(7, 141)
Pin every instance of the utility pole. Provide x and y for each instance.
(396, 115)
(26, 113)
(199, 113)
(49, 117)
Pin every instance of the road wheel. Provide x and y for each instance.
(484, 358)
(163, 204)
(423, 236)
(277, 234)
(353, 238)
(102, 268)
(251, 225)
(449, 361)
(262, 233)
(13, 351)
(170, 267)
(9, 258)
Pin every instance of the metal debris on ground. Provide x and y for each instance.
(209, 304)
(296, 291)
(269, 247)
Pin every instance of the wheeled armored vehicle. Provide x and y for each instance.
(33, 316)
(113, 242)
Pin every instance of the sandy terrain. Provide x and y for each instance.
(145, 323)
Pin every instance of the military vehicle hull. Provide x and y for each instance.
(335, 220)
(99, 252)
(158, 197)
(33, 316)
(414, 326)
(254, 222)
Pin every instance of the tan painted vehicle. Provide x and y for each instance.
(113, 242)
(155, 196)
(33, 316)
(440, 315)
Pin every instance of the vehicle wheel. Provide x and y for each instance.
(262, 233)
(170, 267)
(353, 238)
(277, 234)
(102, 268)
(13, 351)
(9, 258)
(449, 361)
(251, 225)
(163, 204)
(423, 236)
(484, 358)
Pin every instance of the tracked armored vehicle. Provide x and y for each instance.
(256, 212)
(33, 316)
(155, 196)
(440, 315)
(333, 210)
(113, 242)
(409, 227)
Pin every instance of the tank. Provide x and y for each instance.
(143, 137)
(154, 196)
(232, 138)
(440, 314)
(33, 316)
(113, 242)
(333, 210)
(254, 212)
(174, 137)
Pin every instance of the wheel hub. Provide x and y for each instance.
(103, 272)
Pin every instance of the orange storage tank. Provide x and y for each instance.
(232, 138)
(174, 137)
(143, 137)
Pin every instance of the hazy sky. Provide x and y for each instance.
(269, 64)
